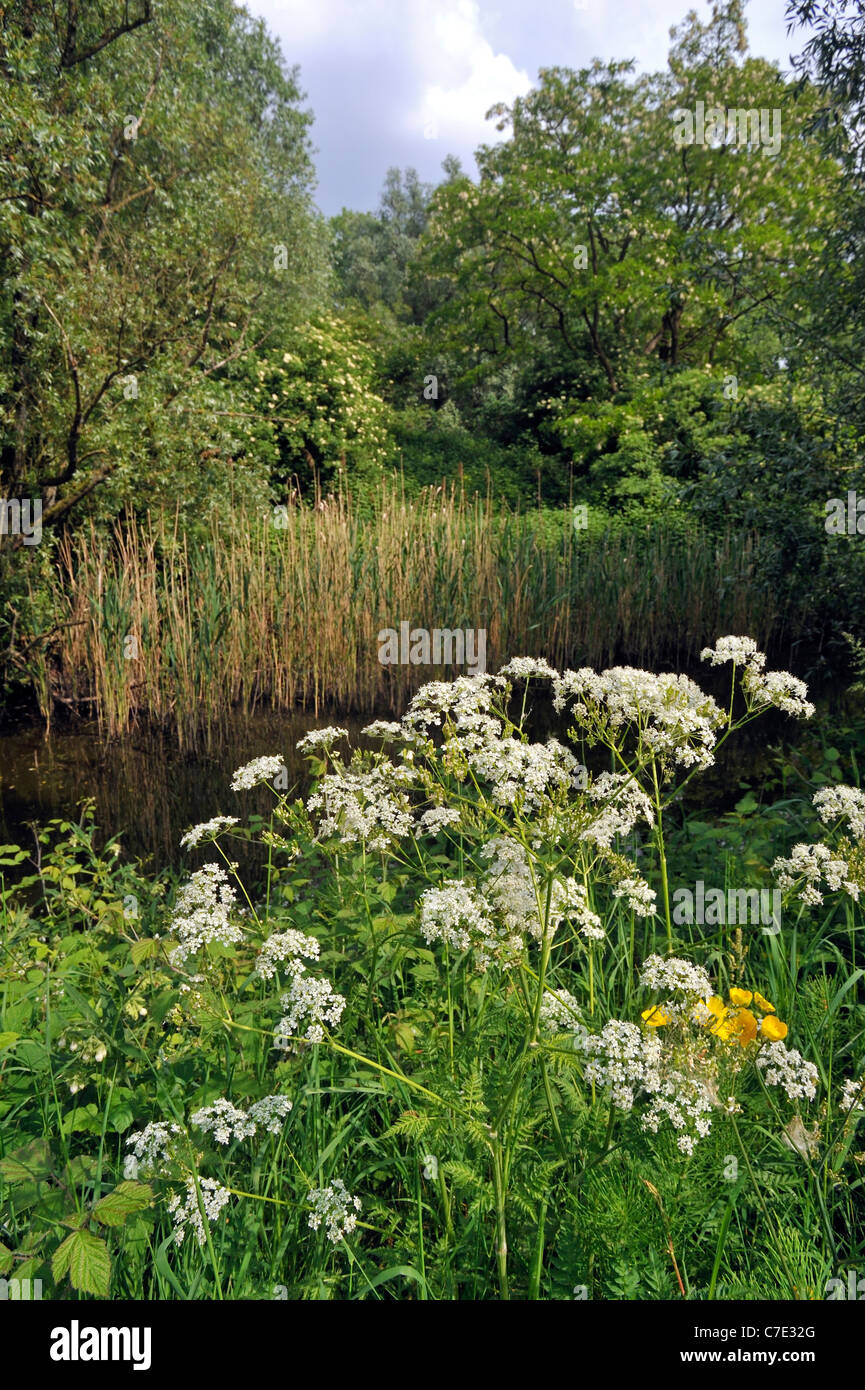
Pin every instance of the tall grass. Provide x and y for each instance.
(178, 629)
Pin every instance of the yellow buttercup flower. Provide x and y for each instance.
(741, 996)
(773, 1029)
(763, 1003)
(745, 1027)
(655, 1016)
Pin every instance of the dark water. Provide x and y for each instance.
(146, 790)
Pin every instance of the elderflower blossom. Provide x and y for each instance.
(224, 1120)
(336, 1207)
(321, 738)
(742, 651)
(202, 913)
(814, 863)
(787, 1068)
(315, 1002)
(152, 1147)
(207, 829)
(259, 770)
(213, 1198)
(623, 1060)
(777, 688)
(623, 803)
(285, 946)
(842, 803)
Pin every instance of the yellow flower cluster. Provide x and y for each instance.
(733, 1022)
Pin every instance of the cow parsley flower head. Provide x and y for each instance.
(623, 1059)
(560, 1012)
(742, 651)
(224, 1120)
(641, 899)
(188, 1215)
(686, 1103)
(285, 948)
(202, 913)
(336, 1208)
(311, 1002)
(271, 1112)
(526, 667)
(206, 830)
(154, 1147)
(842, 803)
(787, 1068)
(623, 802)
(776, 688)
(259, 770)
(321, 738)
(676, 976)
(814, 864)
(457, 914)
(370, 807)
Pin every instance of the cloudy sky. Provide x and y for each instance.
(405, 82)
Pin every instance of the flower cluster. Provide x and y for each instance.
(152, 1148)
(686, 1102)
(206, 830)
(188, 1214)
(623, 802)
(676, 720)
(560, 1012)
(736, 1023)
(457, 914)
(742, 651)
(310, 1001)
(285, 948)
(321, 738)
(226, 1121)
(336, 1207)
(842, 803)
(259, 770)
(787, 1068)
(368, 807)
(677, 977)
(623, 1060)
(202, 913)
(641, 899)
(815, 864)
(778, 688)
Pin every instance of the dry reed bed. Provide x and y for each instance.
(251, 613)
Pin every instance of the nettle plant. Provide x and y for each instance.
(455, 923)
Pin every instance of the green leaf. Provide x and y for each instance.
(7, 1039)
(127, 1197)
(34, 1160)
(143, 950)
(85, 1258)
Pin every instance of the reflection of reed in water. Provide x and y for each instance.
(147, 790)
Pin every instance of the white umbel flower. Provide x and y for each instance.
(188, 1215)
(787, 1068)
(259, 770)
(206, 830)
(311, 1002)
(336, 1208)
(321, 738)
(742, 651)
(202, 913)
(842, 803)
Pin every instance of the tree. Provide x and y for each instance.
(591, 224)
(155, 223)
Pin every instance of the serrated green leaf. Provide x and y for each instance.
(127, 1197)
(143, 950)
(85, 1258)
